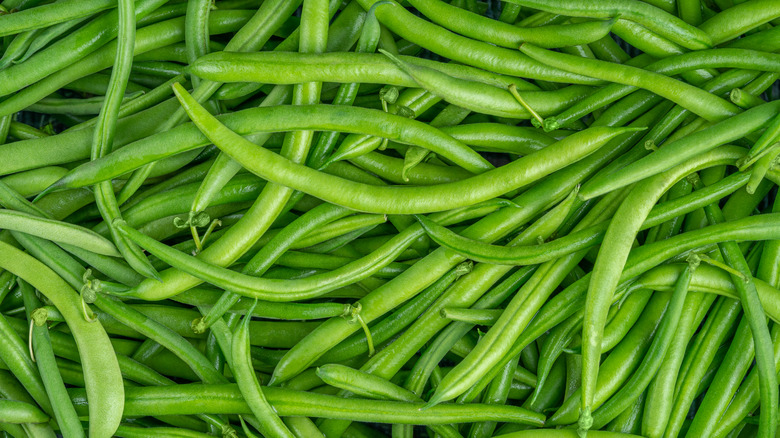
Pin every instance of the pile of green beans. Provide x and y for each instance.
(389, 218)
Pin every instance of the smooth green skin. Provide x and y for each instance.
(497, 137)
(162, 335)
(701, 103)
(543, 228)
(747, 398)
(624, 319)
(364, 384)
(17, 47)
(87, 106)
(47, 15)
(612, 92)
(224, 167)
(564, 433)
(671, 66)
(283, 311)
(70, 49)
(271, 424)
(496, 393)
(196, 29)
(105, 128)
(613, 254)
(339, 38)
(658, 407)
(145, 101)
(18, 412)
(367, 385)
(676, 152)
(495, 32)
(271, 251)
(484, 98)
(47, 35)
(101, 369)
(524, 305)
(63, 410)
(525, 255)
(271, 289)
(272, 119)
(754, 313)
(186, 399)
(465, 50)
(150, 432)
(731, 372)
(16, 358)
(284, 290)
(620, 363)
(703, 352)
(252, 36)
(642, 260)
(57, 231)
(398, 200)
(405, 315)
(367, 43)
(148, 38)
(411, 282)
(641, 378)
(472, 316)
(739, 19)
(242, 188)
(339, 67)
(656, 20)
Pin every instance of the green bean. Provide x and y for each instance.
(265, 67)
(196, 30)
(469, 52)
(16, 357)
(57, 231)
(667, 156)
(48, 15)
(47, 35)
(485, 98)
(733, 369)
(274, 290)
(620, 364)
(395, 291)
(103, 136)
(754, 314)
(660, 392)
(20, 412)
(652, 18)
(162, 334)
(484, 29)
(699, 102)
(72, 48)
(147, 38)
(273, 249)
(660, 213)
(17, 47)
(565, 433)
(654, 356)
(368, 385)
(147, 432)
(101, 371)
(62, 408)
(227, 399)
(388, 327)
(434, 198)
(739, 19)
(270, 422)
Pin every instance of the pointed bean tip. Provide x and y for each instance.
(434, 400)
